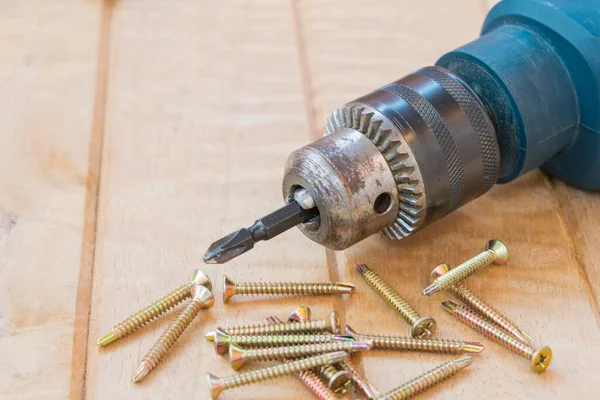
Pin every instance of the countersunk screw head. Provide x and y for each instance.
(206, 297)
(334, 322)
(500, 250)
(200, 278)
(221, 341)
(229, 288)
(237, 355)
(215, 385)
(300, 314)
(541, 359)
(423, 328)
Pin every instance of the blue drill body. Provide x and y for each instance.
(536, 68)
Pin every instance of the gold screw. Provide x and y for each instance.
(218, 385)
(427, 380)
(332, 325)
(539, 358)
(496, 253)
(231, 288)
(239, 356)
(421, 327)
(202, 298)
(224, 340)
(152, 311)
(309, 379)
(481, 306)
(388, 342)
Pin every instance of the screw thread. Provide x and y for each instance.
(388, 342)
(464, 270)
(264, 374)
(426, 380)
(491, 331)
(277, 353)
(281, 340)
(291, 288)
(489, 312)
(278, 329)
(316, 386)
(152, 311)
(408, 313)
(171, 334)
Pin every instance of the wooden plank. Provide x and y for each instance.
(579, 210)
(204, 104)
(349, 51)
(47, 83)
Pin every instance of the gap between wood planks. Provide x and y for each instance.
(90, 217)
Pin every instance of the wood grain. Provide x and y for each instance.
(47, 84)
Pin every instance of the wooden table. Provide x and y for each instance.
(134, 133)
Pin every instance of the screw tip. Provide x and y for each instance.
(362, 268)
(345, 287)
(361, 346)
(449, 306)
(431, 289)
(107, 339)
(350, 332)
(473, 347)
(210, 336)
(463, 362)
(141, 372)
(522, 336)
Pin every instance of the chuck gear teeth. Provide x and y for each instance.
(386, 137)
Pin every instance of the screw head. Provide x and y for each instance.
(300, 314)
(203, 294)
(541, 359)
(423, 328)
(221, 341)
(228, 288)
(350, 332)
(500, 250)
(334, 322)
(237, 356)
(340, 381)
(214, 386)
(200, 278)
(439, 271)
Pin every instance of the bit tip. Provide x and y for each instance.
(107, 339)
(431, 289)
(142, 371)
(229, 247)
(473, 347)
(449, 306)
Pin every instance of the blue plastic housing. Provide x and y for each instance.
(536, 67)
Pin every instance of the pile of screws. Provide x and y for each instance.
(315, 350)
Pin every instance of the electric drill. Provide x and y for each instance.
(525, 94)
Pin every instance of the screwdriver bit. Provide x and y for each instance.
(266, 228)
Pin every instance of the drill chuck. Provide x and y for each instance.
(523, 95)
(397, 159)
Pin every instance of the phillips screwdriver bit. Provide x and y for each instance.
(266, 228)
